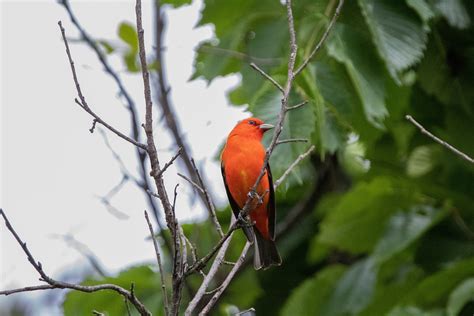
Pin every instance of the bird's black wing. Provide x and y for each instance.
(271, 209)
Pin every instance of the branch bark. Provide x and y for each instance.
(160, 266)
(438, 140)
(54, 284)
(156, 170)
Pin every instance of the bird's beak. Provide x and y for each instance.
(266, 127)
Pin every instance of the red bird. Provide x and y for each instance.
(241, 162)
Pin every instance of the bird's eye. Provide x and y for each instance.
(252, 123)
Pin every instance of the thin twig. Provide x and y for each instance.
(267, 76)
(227, 281)
(323, 38)
(194, 184)
(296, 106)
(169, 163)
(201, 263)
(160, 266)
(438, 140)
(210, 204)
(28, 289)
(207, 280)
(292, 140)
(54, 284)
(83, 103)
(292, 166)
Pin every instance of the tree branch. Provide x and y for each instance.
(323, 38)
(134, 120)
(227, 280)
(164, 99)
(207, 280)
(83, 103)
(267, 76)
(438, 140)
(160, 266)
(292, 166)
(155, 166)
(292, 140)
(54, 284)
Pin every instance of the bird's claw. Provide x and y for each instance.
(243, 221)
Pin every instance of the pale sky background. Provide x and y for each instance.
(53, 169)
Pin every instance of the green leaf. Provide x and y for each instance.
(353, 291)
(397, 33)
(404, 228)
(413, 311)
(352, 48)
(436, 287)
(454, 12)
(461, 295)
(358, 220)
(128, 34)
(241, 28)
(423, 9)
(342, 100)
(353, 157)
(176, 3)
(309, 297)
(109, 302)
(421, 161)
(329, 134)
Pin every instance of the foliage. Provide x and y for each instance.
(398, 240)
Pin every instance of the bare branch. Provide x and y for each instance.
(164, 99)
(294, 107)
(292, 140)
(83, 103)
(210, 275)
(201, 263)
(210, 204)
(54, 284)
(94, 122)
(155, 166)
(267, 76)
(160, 266)
(169, 163)
(292, 166)
(323, 38)
(227, 281)
(134, 119)
(28, 289)
(194, 184)
(438, 140)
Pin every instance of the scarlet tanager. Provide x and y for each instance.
(241, 162)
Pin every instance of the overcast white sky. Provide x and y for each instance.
(53, 169)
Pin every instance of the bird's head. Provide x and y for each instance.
(251, 127)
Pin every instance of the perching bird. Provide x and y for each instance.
(241, 162)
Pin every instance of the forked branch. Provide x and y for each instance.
(54, 284)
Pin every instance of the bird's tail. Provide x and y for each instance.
(266, 253)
